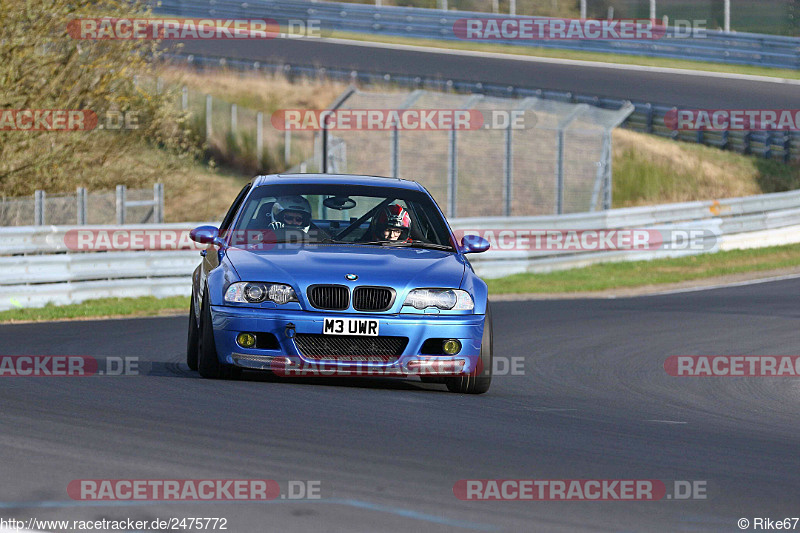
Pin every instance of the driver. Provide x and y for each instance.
(291, 217)
(291, 212)
(392, 223)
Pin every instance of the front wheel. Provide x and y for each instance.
(208, 361)
(480, 379)
(193, 342)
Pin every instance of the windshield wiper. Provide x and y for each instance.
(417, 244)
(394, 244)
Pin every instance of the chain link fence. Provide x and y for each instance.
(122, 206)
(558, 162)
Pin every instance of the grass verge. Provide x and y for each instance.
(100, 308)
(645, 273)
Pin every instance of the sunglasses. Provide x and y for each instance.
(290, 218)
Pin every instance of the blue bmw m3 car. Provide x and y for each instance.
(330, 275)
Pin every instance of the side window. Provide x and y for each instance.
(228, 220)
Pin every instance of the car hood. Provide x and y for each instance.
(400, 268)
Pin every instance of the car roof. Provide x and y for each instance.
(349, 179)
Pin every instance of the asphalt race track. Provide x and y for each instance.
(705, 92)
(594, 403)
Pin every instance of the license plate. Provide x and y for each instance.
(350, 326)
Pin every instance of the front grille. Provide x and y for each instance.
(331, 297)
(373, 298)
(346, 347)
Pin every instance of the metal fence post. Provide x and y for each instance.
(562, 126)
(81, 205)
(560, 172)
(158, 203)
(38, 207)
(452, 173)
(336, 105)
(607, 182)
(512, 7)
(443, 5)
(583, 9)
(287, 146)
(234, 119)
(508, 170)
(652, 10)
(184, 98)
(324, 165)
(727, 16)
(120, 204)
(260, 137)
(208, 116)
(508, 157)
(395, 155)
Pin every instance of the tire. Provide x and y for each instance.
(208, 362)
(193, 342)
(480, 379)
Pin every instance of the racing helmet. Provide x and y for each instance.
(395, 217)
(294, 204)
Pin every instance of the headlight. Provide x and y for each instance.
(447, 299)
(253, 293)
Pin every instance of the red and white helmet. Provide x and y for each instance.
(392, 216)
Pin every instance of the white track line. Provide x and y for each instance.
(557, 61)
(726, 285)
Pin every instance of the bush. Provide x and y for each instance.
(43, 67)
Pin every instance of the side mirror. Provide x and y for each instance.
(474, 244)
(205, 235)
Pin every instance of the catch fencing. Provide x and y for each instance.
(140, 206)
(558, 161)
(647, 117)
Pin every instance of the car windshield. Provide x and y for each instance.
(341, 214)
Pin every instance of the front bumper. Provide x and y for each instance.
(229, 321)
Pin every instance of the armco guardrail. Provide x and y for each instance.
(647, 117)
(36, 273)
(706, 45)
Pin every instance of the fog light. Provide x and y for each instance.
(246, 340)
(451, 346)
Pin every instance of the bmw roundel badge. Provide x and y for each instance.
(351, 277)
